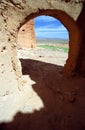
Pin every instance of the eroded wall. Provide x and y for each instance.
(81, 57)
(13, 14)
(26, 35)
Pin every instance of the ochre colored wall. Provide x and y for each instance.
(14, 14)
(26, 35)
(81, 57)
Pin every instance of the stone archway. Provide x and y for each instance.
(13, 15)
(74, 39)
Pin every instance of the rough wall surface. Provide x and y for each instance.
(81, 57)
(26, 35)
(13, 14)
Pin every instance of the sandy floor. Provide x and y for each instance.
(48, 100)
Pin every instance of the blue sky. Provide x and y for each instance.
(49, 27)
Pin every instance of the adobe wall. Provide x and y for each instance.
(81, 57)
(13, 14)
(26, 35)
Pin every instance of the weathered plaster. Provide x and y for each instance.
(26, 35)
(13, 14)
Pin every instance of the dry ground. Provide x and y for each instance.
(48, 101)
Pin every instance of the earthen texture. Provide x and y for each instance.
(81, 57)
(26, 36)
(60, 100)
(13, 14)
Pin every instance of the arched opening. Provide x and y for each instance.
(69, 68)
(47, 74)
(71, 26)
(40, 71)
(50, 34)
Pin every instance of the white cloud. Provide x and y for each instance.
(49, 28)
(58, 35)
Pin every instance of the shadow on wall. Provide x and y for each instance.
(60, 112)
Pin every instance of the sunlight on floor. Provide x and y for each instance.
(41, 54)
(34, 102)
(25, 101)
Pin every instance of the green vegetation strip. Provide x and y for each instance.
(54, 48)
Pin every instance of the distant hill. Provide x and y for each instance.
(51, 41)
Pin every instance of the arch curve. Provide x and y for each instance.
(74, 36)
